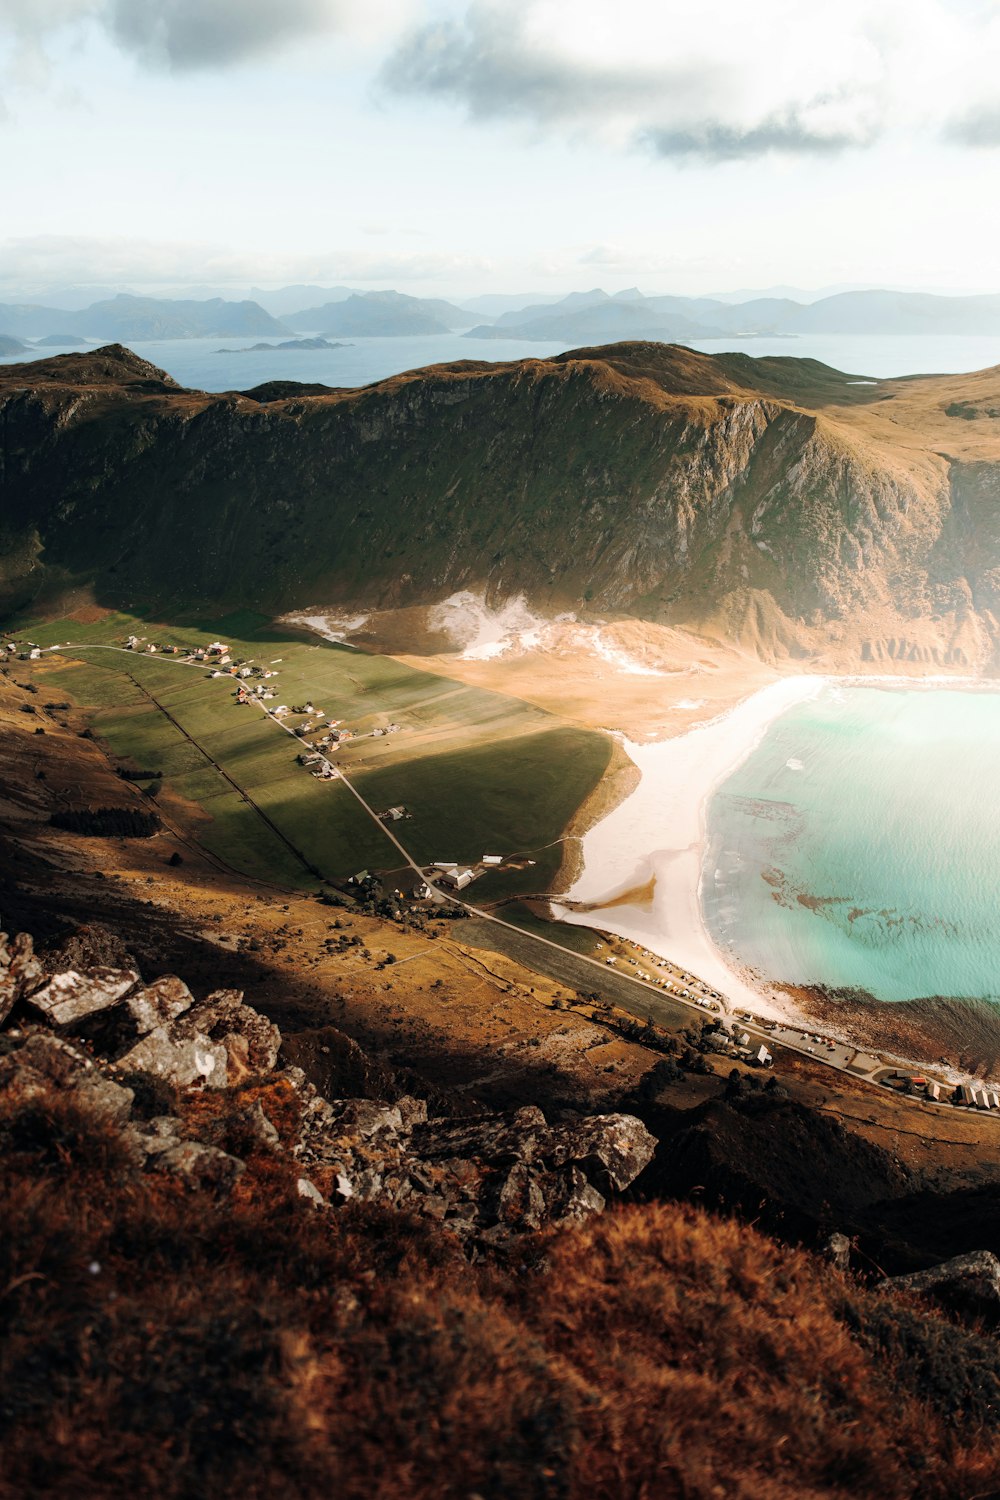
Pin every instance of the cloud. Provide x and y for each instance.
(719, 82)
(709, 140)
(29, 265)
(976, 127)
(189, 34)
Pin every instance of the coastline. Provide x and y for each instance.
(654, 898)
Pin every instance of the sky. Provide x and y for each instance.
(453, 147)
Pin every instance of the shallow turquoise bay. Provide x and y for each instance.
(859, 846)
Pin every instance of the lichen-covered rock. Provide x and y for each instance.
(365, 1118)
(201, 1166)
(159, 1003)
(181, 1060)
(251, 1041)
(611, 1149)
(488, 1178)
(310, 1191)
(21, 970)
(258, 1128)
(73, 996)
(44, 1062)
(969, 1281)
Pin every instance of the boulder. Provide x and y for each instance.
(576, 1199)
(310, 1191)
(185, 1060)
(494, 1138)
(611, 1149)
(20, 970)
(968, 1282)
(72, 996)
(43, 1063)
(365, 1118)
(200, 1166)
(159, 1003)
(258, 1127)
(250, 1039)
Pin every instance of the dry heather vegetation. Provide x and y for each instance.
(162, 1342)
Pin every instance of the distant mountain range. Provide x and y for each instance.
(387, 314)
(580, 318)
(125, 317)
(630, 315)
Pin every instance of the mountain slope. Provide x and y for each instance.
(382, 314)
(138, 318)
(772, 502)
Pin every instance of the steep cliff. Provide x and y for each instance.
(774, 502)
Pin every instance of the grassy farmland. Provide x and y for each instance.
(479, 772)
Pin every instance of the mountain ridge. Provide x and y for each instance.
(772, 503)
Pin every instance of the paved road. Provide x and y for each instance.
(577, 970)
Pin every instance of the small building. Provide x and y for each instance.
(35, 653)
(966, 1094)
(933, 1091)
(492, 860)
(762, 1058)
(457, 878)
(445, 865)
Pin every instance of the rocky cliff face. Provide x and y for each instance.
(772, 502)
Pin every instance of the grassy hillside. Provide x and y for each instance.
(479, 773)
(160, 1342)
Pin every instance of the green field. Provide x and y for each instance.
(479, 772)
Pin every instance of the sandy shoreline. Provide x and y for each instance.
(653, 896)
(668, 809)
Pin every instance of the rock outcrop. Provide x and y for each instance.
(966, 1283)
(107, 1035)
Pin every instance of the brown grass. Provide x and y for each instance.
(159, 1343)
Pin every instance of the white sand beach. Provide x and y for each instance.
(642, 863)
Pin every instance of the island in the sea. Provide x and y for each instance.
(316, 343)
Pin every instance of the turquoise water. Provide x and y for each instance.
(859, 846)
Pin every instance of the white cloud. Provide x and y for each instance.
(187, 35)
(719, 81)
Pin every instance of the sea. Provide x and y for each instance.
(858, 847)
(219, 365)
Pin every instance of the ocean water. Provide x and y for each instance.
(198, 363)
(859, 846)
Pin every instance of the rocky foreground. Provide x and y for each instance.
(215, 1279)
(100, 1036)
